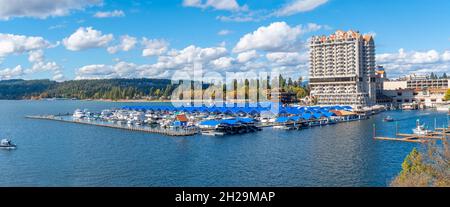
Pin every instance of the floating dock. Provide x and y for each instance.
(167, 132)
(404, 139)
(414, 137)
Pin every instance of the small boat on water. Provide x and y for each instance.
(7, 144)
(388, 119)
(421, 129)
(213, 133)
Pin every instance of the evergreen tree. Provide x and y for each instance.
(290, 83)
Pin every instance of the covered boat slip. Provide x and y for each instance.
(228, 126)
(244, 119)
(305, 120)
(239, 109)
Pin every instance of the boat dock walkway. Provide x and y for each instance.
(404, 139)
(437, 135)
(167, 132)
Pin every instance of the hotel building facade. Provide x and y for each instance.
(342, 69)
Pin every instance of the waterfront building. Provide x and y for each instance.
(425, 91)
(431, 97)
(284, 97)
(342, 69)
(422, 84)
(394, 85)
(380, 77)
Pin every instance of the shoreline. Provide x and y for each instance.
(130, 100)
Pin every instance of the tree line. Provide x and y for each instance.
(129, 89)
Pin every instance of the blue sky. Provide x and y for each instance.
(411, 35)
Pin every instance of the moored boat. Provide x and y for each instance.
(388, 119)
(421, 130)
(7, 144)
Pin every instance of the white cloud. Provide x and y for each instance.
(185, 58)
(119, 70)
(127, 43)
(298, 6)
(58, 26)
(222, 63)
(224, 32)
(278, 36)
(235, 18)
(33, 46)
(36, 56)
(287, 58)
(42, 8)
(312, 27)
(413, 57)
(446, 56)
(153, 47)
(247, 56)
(11, 73)
(85, 38)
(229, 5)
(58, 76)
(244, 16)
(39, 64)
(18, 44)
(109, 14)
(406, 62)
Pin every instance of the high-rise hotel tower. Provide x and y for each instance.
(342, 69)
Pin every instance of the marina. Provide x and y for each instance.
(184, 132)
(52, 151)
(420, 134)
(209, 121)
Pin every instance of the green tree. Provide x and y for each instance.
(447, 95)
(426, 169)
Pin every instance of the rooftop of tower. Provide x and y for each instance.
(342, 35)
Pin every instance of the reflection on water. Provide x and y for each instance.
(62, 154)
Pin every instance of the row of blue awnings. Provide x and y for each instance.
(304, 116)
(231, 122)
(235, 110)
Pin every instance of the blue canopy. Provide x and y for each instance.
(230, 121)
(295, 118)
(246, 120)
(306, 116)
(328, 114)
(318, 115)
(282, 119)
(210, 123)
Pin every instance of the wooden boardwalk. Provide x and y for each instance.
(404, 139)
(430, 136)
(167, 132)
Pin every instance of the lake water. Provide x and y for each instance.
(63, 154)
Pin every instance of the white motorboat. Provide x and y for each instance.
(421, 129)
(78, 114)
(7, 144)
(213, 133)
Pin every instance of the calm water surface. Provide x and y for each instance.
(63, 154)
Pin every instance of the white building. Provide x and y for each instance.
(394, 85)
(426, 92)
(342, 69)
